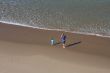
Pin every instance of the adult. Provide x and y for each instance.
(63, 39)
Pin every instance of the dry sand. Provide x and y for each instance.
(27, 50)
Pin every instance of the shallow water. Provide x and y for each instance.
(84, 16)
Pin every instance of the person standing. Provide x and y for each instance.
(52, 41)
(63, 39)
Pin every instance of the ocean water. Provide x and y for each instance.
(82, 16)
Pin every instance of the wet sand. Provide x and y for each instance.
(28, 50)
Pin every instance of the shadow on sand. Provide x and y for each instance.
(57, 43)
(69, 45)
(73, 44)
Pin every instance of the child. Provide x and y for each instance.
(52, 41)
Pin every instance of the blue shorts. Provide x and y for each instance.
(63, 41)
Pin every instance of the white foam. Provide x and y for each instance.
(85, 33)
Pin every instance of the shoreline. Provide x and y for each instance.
(28, 50)
(89, 44)
(60, 30)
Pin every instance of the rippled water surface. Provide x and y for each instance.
(85, 16)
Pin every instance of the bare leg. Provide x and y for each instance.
(63, 45)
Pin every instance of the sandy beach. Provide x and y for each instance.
(28, 50)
